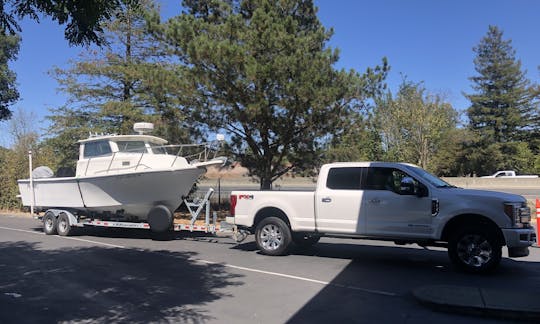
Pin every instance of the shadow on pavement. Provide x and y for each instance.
(352, 296)
(400, 270)
(106, 285)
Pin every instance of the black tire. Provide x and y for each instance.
(49, 223)
(475, 250)
(273, 236)
(305, 240)
(160, 219)
(63, 227)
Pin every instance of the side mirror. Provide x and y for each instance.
(406, 187)
(422, 190)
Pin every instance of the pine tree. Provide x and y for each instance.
(263, 72)
(502, 108)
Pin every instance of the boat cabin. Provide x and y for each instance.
(106, 154)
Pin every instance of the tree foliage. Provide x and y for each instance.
(262, 71)
(83, 18)
(414, 125)
(9, 48)
(112, 88)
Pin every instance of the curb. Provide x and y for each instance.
(480, 301)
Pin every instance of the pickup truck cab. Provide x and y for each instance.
(389, 201)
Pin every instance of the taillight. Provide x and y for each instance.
(233, 205)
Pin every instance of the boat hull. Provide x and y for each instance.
(131, 194)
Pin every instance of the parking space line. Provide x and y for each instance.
(283, 275)
(64, 237)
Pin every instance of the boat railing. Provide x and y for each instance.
(191, 152)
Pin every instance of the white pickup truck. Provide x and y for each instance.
(510, 174)
(389, 201)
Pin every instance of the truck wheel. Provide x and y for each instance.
(305, 240)
(63, 226)
(49, 223)
(273, 236)
(475, 250)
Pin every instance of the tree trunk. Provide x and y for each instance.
(266, 183)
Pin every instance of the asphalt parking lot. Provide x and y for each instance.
(109, 275)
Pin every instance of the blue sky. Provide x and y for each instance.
(427, 40)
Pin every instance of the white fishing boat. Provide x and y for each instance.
(129, 177)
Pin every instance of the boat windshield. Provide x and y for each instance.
(432, 179)
(131, 146)
(158, 149)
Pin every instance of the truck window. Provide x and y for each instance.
(378, 178)
(344, 178)
(98, 148)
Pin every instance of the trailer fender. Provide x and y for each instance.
(72, 219)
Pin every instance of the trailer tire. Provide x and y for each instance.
(273, 236)
(475, 250)
(160, 219)
(49, 223)
(63, 226)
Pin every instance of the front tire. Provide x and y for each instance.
(49, 223)
(475, 250)
(273, 236)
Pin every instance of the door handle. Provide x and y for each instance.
(375, 201)
(326, 200)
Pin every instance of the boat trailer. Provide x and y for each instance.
(60, 221)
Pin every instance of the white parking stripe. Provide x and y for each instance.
(64, 237)
(277, 274)
(325, 283)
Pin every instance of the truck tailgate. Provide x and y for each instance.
(297, 205)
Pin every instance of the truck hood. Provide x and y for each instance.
(471, 194)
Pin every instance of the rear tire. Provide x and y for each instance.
(63, 226)
(475, 250)
(49, 223)
(273, 236)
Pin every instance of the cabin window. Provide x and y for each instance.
(98, 148)
(343, 178)
(131, 146)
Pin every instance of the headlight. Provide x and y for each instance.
(518, 213)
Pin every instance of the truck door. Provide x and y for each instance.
(337, 204)
(390, 210)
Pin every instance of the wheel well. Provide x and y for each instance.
(469, 220)
(270, 212)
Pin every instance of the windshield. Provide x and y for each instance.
(158, 149)
(131, 146)
(430, 178)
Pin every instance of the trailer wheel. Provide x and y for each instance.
(305, 240)
(63, 226)
(273, 236)
(49, 223)
(475, 250)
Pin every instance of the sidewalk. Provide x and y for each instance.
(522, 306)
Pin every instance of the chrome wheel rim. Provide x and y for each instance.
(271, 237)
(474, 250)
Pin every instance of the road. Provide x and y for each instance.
(107, 275)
